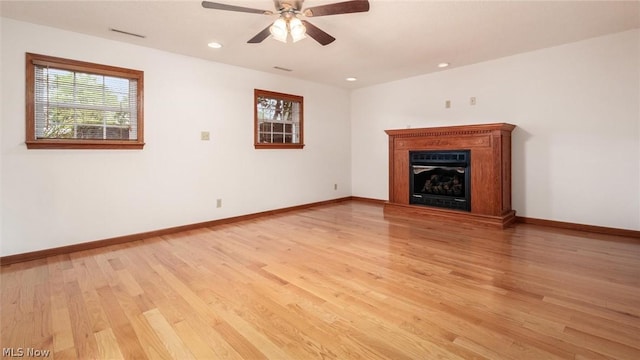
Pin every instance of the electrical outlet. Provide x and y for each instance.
(447, 104)
(204, 135)
(335, 186)
(218, 203)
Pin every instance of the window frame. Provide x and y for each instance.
(32, 142)
(278, 96)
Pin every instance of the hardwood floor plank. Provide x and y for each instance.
(167, 334)
(338, 281)
(42, 318)
(601, 345)
(83, 340)
(61, 324)
(152, 345)
(67, 354)
(97, 314)
(125, 337)
(10, 315)
(246, 340)
(108, 345)
(194, 342)
(206, 331)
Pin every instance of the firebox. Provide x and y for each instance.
(440, 178)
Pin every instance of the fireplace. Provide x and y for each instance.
(471, 164)
(440, 179)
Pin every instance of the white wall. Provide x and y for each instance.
(638, 119)
(52, 198)
(576, 149)
(1, 106)
(568, 101)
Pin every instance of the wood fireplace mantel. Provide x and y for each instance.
(490, 147)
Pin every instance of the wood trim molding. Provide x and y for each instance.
(579, 227)
(39, 254)
(83, 144)
(368, 200)
(451, 130)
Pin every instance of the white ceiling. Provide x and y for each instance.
(394, 40)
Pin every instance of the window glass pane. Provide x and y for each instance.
(88, 89)
(89, 132)
(59, 86)
(117, 133)
(59, 123)
(86, 116)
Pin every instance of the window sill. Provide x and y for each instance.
(84, 144)
(278, 146)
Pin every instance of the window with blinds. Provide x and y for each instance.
(74, 104)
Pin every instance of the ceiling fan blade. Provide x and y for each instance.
(218, 6)
(317, 34)
(345, 7)
(260, 36)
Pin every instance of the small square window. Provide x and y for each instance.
(278, 120)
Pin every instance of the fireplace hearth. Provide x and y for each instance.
(440, 179)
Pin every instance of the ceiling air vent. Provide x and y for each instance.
(127, 33)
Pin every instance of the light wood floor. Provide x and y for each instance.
(338, 281)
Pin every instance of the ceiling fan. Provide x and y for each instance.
(288, 24)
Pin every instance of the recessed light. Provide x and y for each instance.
(214, 45)
(351, 79)
(443, 65)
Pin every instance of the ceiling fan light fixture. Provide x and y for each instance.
(279, 30)
(288, 24)
(297, 30)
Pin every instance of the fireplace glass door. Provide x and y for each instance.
(440, 178)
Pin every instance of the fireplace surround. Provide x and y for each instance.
(489, 172)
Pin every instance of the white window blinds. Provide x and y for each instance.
(72, 104)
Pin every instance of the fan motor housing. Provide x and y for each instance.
(288, 5)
